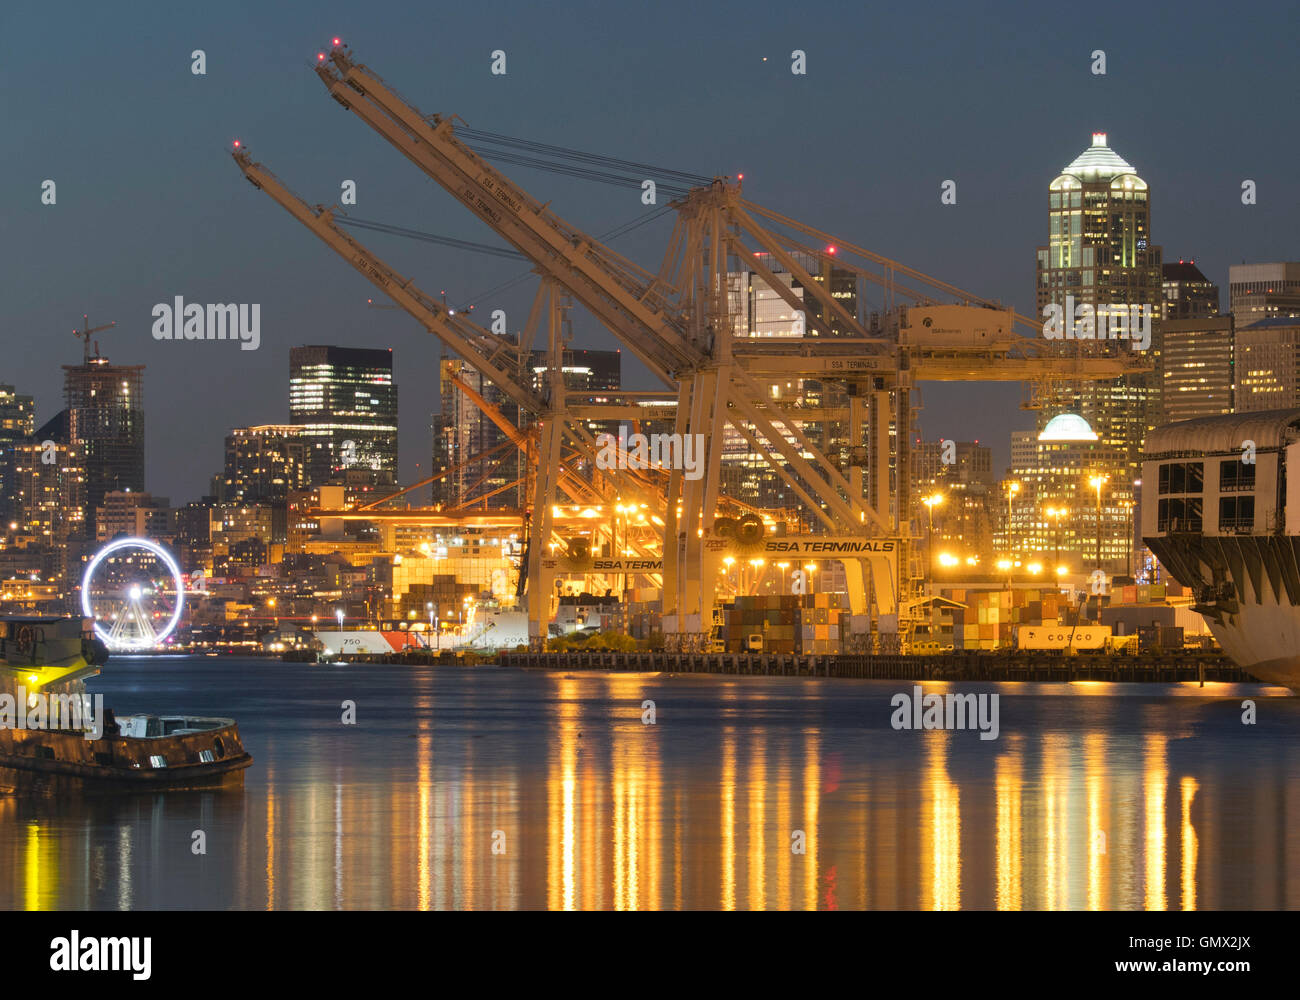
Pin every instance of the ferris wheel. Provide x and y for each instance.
(133, 592)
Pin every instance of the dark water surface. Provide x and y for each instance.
(474, 788)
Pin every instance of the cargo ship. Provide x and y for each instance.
(54, 737)
(1221, 512)
(486, 629)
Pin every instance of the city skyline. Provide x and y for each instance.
(891, 204)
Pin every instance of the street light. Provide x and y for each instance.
(932, 501)
(1055, 514)
(1013, 488)
(432, 608)
(1097, 482)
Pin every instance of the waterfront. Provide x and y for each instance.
(1093, 796)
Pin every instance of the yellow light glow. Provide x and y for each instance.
(948, 559)
(1035, 568)
(1004, 564)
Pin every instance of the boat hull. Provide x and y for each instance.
(50, 762)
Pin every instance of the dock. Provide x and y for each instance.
(949, 667)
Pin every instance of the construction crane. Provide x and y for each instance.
(680, 323)
(84, 335)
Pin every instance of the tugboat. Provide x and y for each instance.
(54, 737)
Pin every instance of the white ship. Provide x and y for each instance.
(486, 629)
(1222, 514)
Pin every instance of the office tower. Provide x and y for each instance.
(17, 414)
(1188, 294)
(105, 418)
(50, 492)
(17, 422)
(344, 401)
(1197, 367)
(136, 515)
(263, 463)
(960, 474)
(1264, 291)
(1100, 253)
(1052, 503)
(1268, 353)
(759, 311)
(477, 463)
(593, 377)
(193, 540)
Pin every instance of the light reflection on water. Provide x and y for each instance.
(489, 788)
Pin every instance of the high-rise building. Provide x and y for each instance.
(50, 489)
(960, 474)
(105, 419)
(17, 414)
(1100, 254)
(344, 401)
(1264, 291)
(17, 422)
(473, 456)
(1065, 500)
(263, 463)
(759, 311)
(1268, 365)
(1197, 367)
(137, 515)
(478, 463)
(1188, 294)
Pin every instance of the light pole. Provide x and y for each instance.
(931, 502)
(1013, 488)
(1097, 482)
(339, 615)
(1055, 514)
(433, 620)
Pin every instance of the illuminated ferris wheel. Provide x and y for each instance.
(133, 592)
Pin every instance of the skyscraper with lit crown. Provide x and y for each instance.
(1099, 253)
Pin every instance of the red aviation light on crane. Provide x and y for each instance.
(830, 250)
(238, 144)
(338, 42)
(320, 56)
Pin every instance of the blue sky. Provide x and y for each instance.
(896, 99)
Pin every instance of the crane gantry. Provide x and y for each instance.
(680, 322)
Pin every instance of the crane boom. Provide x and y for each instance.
(613, 289)
(481, 348)
(84, 335)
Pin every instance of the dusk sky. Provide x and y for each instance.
(897, 98)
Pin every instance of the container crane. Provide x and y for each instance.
(678, 323)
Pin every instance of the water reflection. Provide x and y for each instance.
(493, 789)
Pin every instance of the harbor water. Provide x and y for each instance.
(491, 788)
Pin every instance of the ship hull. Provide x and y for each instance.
(1248, 590)
(49, 762)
